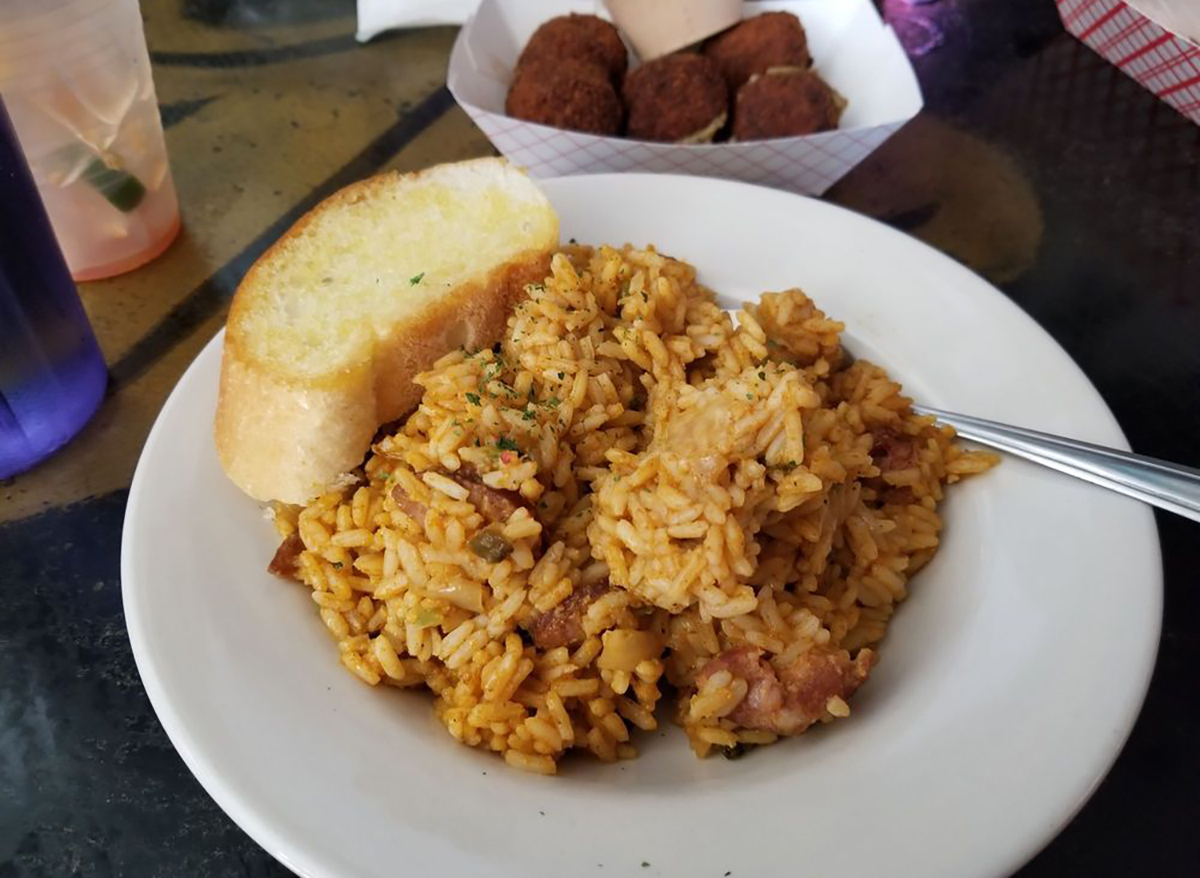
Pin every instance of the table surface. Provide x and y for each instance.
(1034, 162)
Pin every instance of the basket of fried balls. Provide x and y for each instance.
(752, 82)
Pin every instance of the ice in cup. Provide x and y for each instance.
(75, 75)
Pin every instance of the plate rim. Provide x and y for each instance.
(312, 860)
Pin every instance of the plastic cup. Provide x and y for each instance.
(52, 375)
(75, 75)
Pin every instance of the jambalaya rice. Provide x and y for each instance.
(632, 487)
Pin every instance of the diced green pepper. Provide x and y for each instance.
(491, 546)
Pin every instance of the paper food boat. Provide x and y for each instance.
(1148, 41)
(851, 47)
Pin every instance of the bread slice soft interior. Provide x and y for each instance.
(329, 326)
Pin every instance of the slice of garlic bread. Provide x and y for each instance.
(330, 325)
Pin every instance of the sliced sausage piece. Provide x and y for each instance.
(764, 693)
(563, 625)
(893, 450)
(494, 504)
(891, 494)
(410, 507)
(817, 676)
(287, 556)
(789, 702)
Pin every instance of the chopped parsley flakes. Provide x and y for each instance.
(415, 279)
(473, 399)
(504, 443)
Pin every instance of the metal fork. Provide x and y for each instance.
(1169, 486)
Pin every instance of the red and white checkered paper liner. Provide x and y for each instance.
(478, 79)
(1159, 60)
(809, 164)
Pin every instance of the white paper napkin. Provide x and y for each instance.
(377, 16)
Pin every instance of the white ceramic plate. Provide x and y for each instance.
(1008, 681)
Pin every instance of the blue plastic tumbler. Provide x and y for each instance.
(52, 374)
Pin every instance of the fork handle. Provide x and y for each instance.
(1169, 486)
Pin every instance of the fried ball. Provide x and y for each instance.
(571, 94)
(785, 104)
(676, 98)
(582, 37)
(773, 39)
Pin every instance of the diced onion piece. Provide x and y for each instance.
(460, 592)
(625, 650)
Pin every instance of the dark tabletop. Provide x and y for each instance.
(1035, 162)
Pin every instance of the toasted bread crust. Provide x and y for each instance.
(285, 438)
